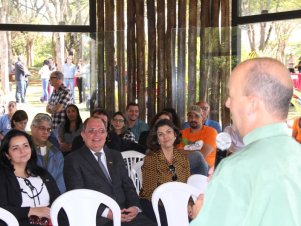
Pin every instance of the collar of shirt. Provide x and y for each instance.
(271, 130)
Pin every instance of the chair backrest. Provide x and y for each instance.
(8, 217)
(199, 181)
(81, 207)
(175, 197)
(136, 175)
(131, 157)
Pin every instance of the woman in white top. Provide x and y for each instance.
(26, 190)
(45, 73)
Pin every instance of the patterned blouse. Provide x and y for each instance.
(156, 171)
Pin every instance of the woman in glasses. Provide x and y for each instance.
(162, 164)
(69, 128)
(26, 190)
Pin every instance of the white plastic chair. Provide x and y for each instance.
(81, 207)
(198, 181)
(8, 217)
(131, 157)
(136, 175)
(175, 197)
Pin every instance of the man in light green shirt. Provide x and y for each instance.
(261, 185)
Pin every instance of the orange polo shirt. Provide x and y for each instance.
(207, 135)
(297, 129)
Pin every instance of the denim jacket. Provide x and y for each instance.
(53, 161)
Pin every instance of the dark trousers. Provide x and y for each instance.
(139, 220)
(79, 83)
(148, 211)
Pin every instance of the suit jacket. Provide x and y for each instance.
(81, 170)
(11, 197)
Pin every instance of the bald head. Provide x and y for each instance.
(260, 91)
(269, 80)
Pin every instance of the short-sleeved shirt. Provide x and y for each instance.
(60, 96)
(207, 135)
(138, 128)
(257, 186)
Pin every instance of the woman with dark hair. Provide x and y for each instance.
(70, 128)
(175, 118)
(119, 126)
(19, 120)
(26, 190)
(161, 115)
(119, 129)
(162, 164)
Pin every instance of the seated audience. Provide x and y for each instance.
(5, 125)
(112, 140)
(136, 125)
(118, 126)
(69, 128)
(205, 114)
(175, 118)
(199, 132)
(19, 120)
(26, 190)
(297, 129)
(161, 115)
(162, 164)
(97, 167)
(48, 156)
(126, 137)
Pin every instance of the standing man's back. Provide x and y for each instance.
(260, 185)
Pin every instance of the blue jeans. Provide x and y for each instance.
(70, 82)
(45, 91)
(198, 164)
(20, 89)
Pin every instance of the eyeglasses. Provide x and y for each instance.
(52, 77)
(93, 131)
(172, 169)
(44, 129)
(118, 120)
(204, 108)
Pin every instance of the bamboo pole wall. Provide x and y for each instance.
(165, 53)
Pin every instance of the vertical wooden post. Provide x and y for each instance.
(141, 91)
(131, 51)
(109, 56)
(151, 65)
(161, 54)
(120, 56)
(181, 70)
(169, 48)
(100, 55)
(192, 49)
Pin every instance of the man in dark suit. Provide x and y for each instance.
(83, 170)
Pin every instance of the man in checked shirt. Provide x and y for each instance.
(59, 99)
